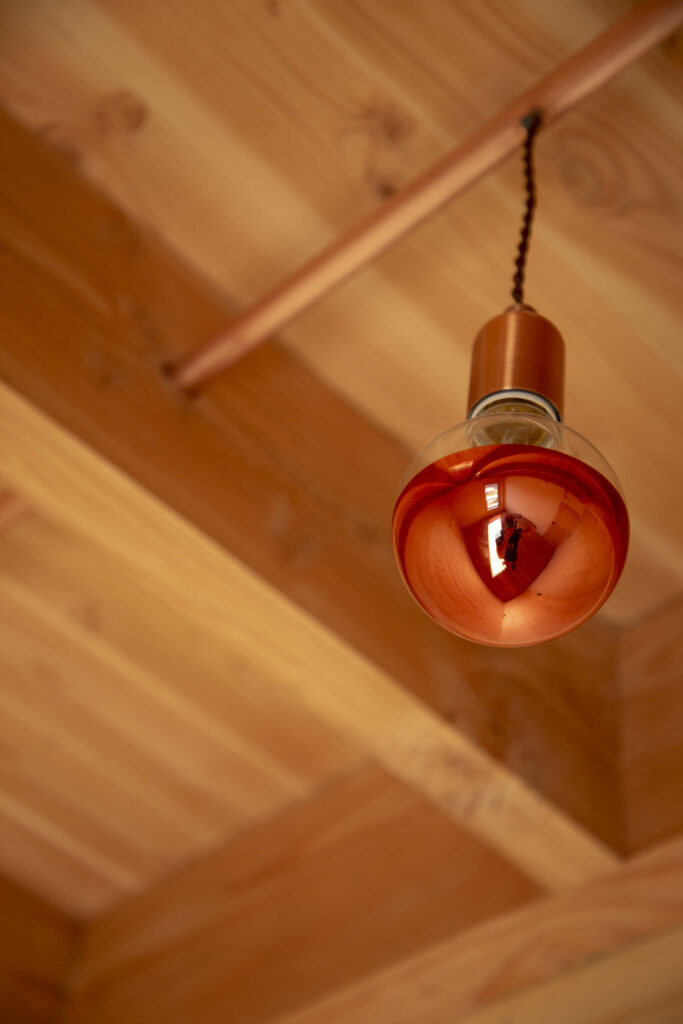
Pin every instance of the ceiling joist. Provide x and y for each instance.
(274, 467)
(534, 951)
(626, 41)
(69, 483)
(12, 509)
(37, 948)
(260, 784)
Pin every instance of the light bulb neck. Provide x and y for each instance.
(515, 401)
(518, 356)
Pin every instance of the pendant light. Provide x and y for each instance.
(510, 529)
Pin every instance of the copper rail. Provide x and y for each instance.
(571, 82)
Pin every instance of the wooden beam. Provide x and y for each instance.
(651, 723)
(341, 884)
(114, 769)
(276, 468)
(578, 77)
(12, 509)
(262, 629)
(396, 343)
(37, 948)
(546, 955)
(639, 983)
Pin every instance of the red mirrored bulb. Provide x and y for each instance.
(510, 529)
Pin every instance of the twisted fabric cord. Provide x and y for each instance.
(531, 122)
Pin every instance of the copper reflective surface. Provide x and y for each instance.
(510, 545)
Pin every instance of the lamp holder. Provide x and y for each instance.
(517, 351)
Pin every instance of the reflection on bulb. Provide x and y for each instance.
(510, 529)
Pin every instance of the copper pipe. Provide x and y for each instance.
(589, 69)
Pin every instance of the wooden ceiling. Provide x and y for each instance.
(242, 777)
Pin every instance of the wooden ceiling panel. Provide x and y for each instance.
(132, 740)
(228, 737)
(642, 983)
(651, 730)
(37, 946)
(104, 754)
(227, 137)
(291, 651)
(12, 509)
(575, 957)
(179, 666)
(368, 865)
(275, 467)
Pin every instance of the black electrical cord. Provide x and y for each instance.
(531, 123)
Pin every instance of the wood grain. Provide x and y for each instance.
(115, 771)
(571, 82)
(302, 659)
(12, 509)
(277, 469)
(290, 121)
(639, 985)
(37, 950)
(651, 687)
(248, 930)
(544, 961)
(54, 572)
(171, 685)
(145, 753)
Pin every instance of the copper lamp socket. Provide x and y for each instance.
(518, 351)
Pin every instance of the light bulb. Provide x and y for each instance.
(510, 528)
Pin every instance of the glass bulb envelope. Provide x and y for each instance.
(510, 528)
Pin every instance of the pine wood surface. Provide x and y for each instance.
(592, 956)
(245, 479)
(12, 509)
(126, 772)
(38, 947)
(246, 930)
(228, 739)
(651, 728)
(638, 985)
(309, 665)
(248, 134)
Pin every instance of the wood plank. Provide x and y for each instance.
(639, 985)
(280, 471)
(12, 509)
(120, 767)
(311, 114)
(262, 629)
(255, 743)
(106, 771)
(37, 948)
(46, 855)
(338, 886)
(132, 615)
(546, 952)
(651, 686)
